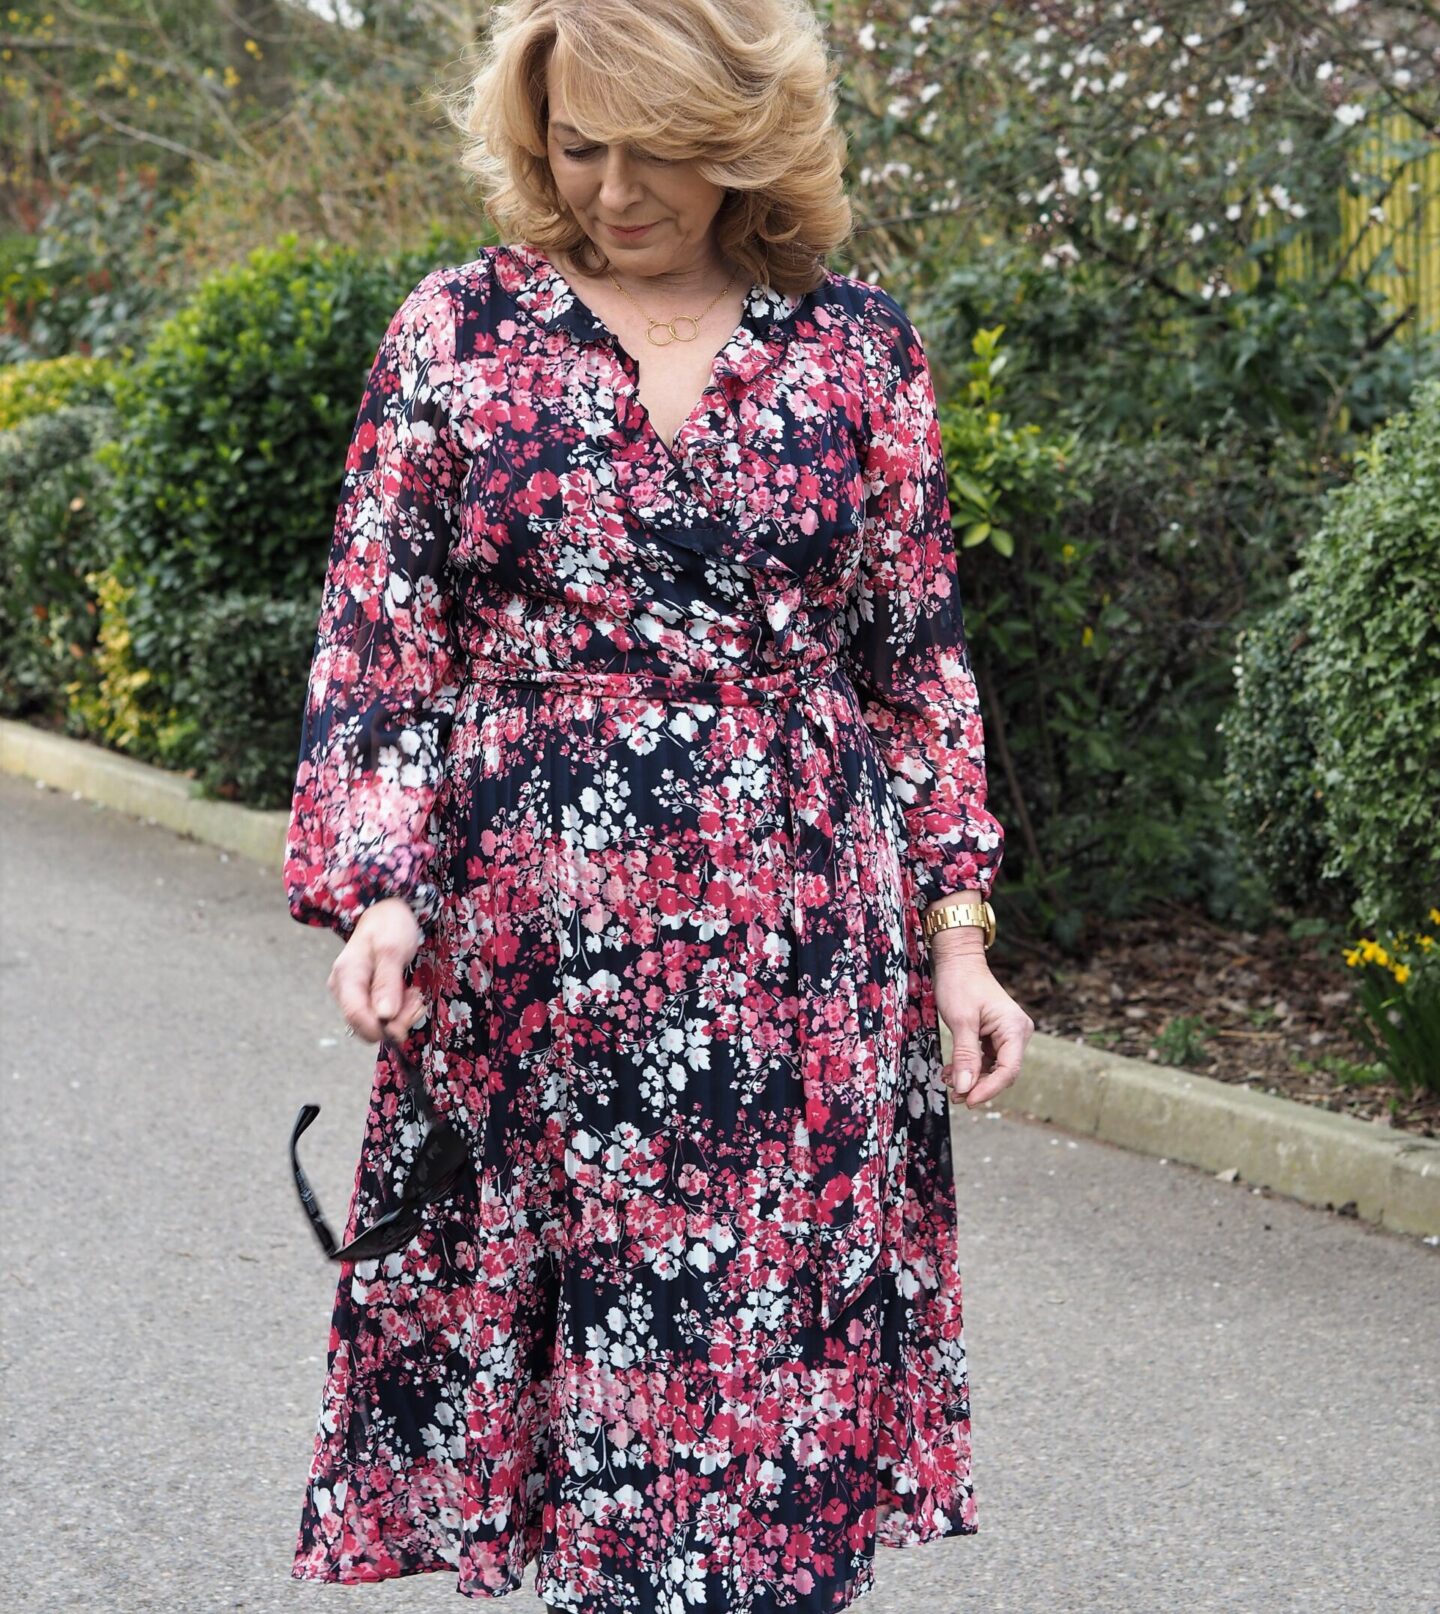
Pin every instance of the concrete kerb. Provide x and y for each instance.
(167, 799)
(1385, 1177)
(1376, 1173)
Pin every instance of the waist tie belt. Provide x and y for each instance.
(843, 1118)
(738, 689)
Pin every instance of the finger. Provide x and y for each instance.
(965, 1057)
(1009, 1039)
(350, 982)
(387, 986)
(410, 1011)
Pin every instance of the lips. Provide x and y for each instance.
(628, 229)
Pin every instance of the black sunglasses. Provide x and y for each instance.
(439, 1160)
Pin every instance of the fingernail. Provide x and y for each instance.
(384, 1008)
(967, 1079)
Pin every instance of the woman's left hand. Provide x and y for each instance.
(988, 1029)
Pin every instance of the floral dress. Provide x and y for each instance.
(667, 745)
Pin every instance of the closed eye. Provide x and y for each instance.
(579, 153)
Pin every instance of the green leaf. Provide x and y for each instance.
(971, 490)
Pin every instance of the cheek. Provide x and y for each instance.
(687, 192)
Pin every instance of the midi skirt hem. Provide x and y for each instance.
(403, 1565)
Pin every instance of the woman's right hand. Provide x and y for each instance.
(367, 980)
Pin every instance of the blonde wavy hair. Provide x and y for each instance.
(743, 88)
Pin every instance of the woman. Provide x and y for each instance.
(640, 737)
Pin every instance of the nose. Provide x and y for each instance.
(619, 185)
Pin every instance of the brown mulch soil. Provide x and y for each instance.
(1279, 1011)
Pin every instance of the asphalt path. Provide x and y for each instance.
(1187, 1395)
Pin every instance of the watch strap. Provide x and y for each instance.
(979, 914)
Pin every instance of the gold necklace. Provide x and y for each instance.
(692, 320)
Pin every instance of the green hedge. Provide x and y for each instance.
(1272, 794)
(39, 386)
(232, 443)
(1333, 739)
(1370, 580)
(50, 545)
(244, 693)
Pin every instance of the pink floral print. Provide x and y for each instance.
(667, 745)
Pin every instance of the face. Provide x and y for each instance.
(607, 186)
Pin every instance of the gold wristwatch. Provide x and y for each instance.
(962, 913)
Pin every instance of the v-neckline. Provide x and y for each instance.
(647, 421)
(752, 312)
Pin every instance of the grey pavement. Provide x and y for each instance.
(1186, 1394)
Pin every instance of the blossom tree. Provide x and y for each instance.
(1176, 140)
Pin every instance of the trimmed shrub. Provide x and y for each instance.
(120, 710)
(50, 541)
(1370, 580)
(243, 693)
(232, 443)
(41, 385)
(1272, 790)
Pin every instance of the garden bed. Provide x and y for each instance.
(1264, 1010)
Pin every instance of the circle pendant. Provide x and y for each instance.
(675, 335)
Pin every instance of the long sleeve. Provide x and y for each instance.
(904, 637)
(382, 687)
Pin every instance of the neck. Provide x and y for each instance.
(704, 277)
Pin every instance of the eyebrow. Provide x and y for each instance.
(569, 128)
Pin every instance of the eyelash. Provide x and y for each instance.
(577, 153)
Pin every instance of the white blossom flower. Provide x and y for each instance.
(1350, 113)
